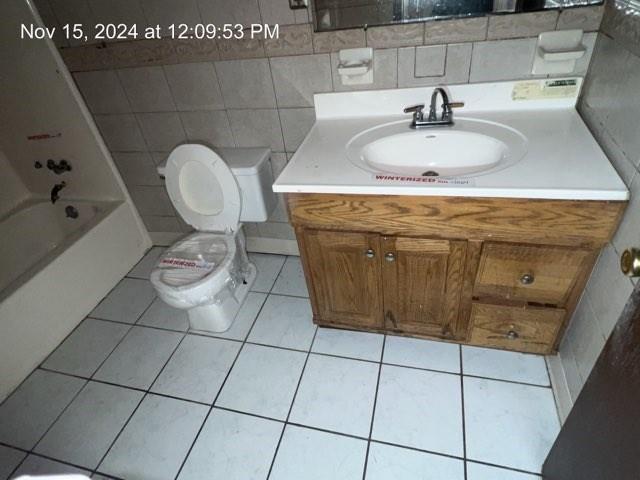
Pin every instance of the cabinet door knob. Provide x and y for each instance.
(512, 335)
(630, 262)
(527, 279)
(370, 253)
(390, 257)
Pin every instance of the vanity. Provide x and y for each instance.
(483, 232)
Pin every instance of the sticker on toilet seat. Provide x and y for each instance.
(435, 181)
(173, 262)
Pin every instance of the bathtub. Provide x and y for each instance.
(54, 269)
(33, 235)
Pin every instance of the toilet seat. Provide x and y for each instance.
(203, 189)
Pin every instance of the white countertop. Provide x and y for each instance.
(563, 160)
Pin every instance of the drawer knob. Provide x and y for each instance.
(630, 262)
(512, 335)
(370, 253)
(527, 279)
(390, 257)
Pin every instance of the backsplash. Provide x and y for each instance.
(149, 95)
(611, 107)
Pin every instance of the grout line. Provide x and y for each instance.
(373, 411)
(464, 427)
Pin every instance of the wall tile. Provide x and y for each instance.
(502, 60)
(277, 12)
(137, 168)
(162, 131)
(151, 200)
(456, 31)
(147, 89)
(456, 69)
(586, 339)
(138, 53)
(302, 15)
(167, 12)
(278, 162)
(385, 71)
(627, 235)
(233, 49)
(121, 133)
(279, 213)
(608, 290)
(127, 12)
(246, 83)
(157, 223)
(620, 22)
(50, 20)
(257, 128)
(211, 128)
(292, 40)
(574, 380)
(73, 11)
(395, 35)
(521, 25)
(194, 86)
(296, 123)
(197, 50)
(279, 230)
(219, 12)
(324, 42)
(585, 18)
(297, 78)
(430, 61)
(102, 91)
(159, 157)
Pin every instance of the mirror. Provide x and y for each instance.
(339, 14)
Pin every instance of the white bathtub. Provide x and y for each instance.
(53, 272)
(35, 233)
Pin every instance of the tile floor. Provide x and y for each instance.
(132, 394)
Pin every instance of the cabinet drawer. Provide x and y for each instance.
(525, 329)
(528, 273)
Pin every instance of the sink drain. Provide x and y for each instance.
(430, 173)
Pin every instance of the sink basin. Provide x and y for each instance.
(469, 148)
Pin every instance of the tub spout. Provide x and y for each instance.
(55, 191)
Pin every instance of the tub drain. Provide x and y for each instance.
(430, 173)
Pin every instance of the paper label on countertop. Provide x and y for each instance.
(429, 181)
(172, 262)
(545, 89)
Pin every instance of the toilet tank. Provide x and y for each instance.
(252, 169)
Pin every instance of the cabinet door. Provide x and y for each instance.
(344, 273)
(423, 282)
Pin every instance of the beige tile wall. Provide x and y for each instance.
(611, 107)
(148, 95)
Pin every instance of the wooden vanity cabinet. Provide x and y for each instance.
(503, 273)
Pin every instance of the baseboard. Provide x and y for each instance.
(559, 385)
(254, 244)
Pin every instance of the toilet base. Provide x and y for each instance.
(218, 317)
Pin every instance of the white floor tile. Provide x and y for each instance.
(139, 358)
(291, 279)
(394, 463)
(268, 268)
(419, 409)
(126, 302)
(263, 381)
(476, 471)
(503, 365)
(87, 347)
(415, 352)
(315, 455)
(33, 407)
(161, 315)
(244, 320)
(233, 446)
(346, 343)
(284, 322)
(84, 432)
(145, 266)
(336, 394)
(197, 368)
(34, 465)
(10, 458)
(156, 440)
(509, 424)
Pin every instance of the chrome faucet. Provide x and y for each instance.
(55, 191)
(432, 120)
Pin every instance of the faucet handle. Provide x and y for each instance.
(455, 104)
(415, 109)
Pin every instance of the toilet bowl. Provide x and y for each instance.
(208, 272)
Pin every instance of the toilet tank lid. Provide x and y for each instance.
(241, 161)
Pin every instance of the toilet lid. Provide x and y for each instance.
(203, 188)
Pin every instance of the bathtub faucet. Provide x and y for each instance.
(55, 191)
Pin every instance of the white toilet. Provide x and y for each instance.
(208, 272)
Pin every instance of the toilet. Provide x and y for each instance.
(208, 272)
